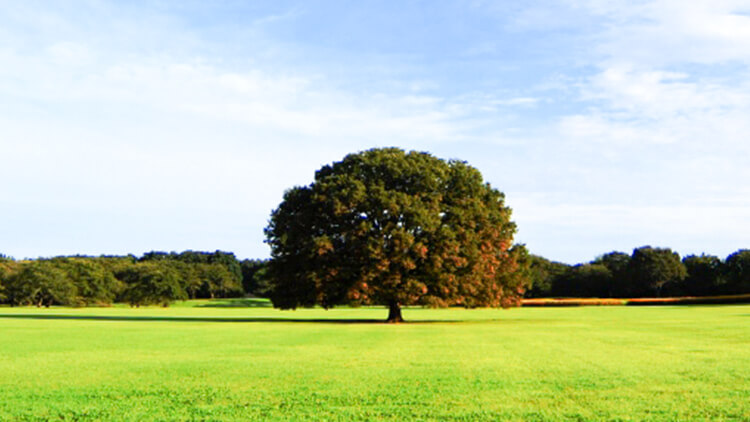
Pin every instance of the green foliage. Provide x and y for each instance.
(195, 279)
(41, 283)
(648, 272)
(255, 277)
(94, 283)
(115, 264)
(148, 283)
(7, 271)
(618, 264)
(738, 272)
(188, 274)
(59, 281)
(394, 228)
(218, 281)
(544, 276)
(652, 268)
(84, 280)
(6, 268)
(584, 280)
(705, 276)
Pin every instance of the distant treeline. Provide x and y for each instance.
(161, 277)
(154, 278)
(647, 272)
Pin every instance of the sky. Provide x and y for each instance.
(127, 127)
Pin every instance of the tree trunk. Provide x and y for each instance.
(394, 313)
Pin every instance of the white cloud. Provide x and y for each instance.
(666, 32)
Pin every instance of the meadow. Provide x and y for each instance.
(242, 360)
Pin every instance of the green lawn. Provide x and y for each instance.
(217, 361)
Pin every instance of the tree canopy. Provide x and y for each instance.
(651, 269)
(387, 227)
(705, 275)
(738, 271)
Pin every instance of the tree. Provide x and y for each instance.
(255, 277)
(217, 281)
(7, 267)
(188, 276)
(738, 272)
(41, 283)
(618, 264)
(704, 275)
(544, 276)
(583, 280)
(149, 283)
(94, 283)
(652, 268)
(191, 272)
(386, 227)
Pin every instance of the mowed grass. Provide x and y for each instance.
(218, 361)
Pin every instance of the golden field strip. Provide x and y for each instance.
(687, 300)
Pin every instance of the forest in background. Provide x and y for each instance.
(163, 277)
(646, 272)
(154, 278)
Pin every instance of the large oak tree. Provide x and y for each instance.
(387, 227)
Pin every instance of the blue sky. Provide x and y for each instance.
(172, 125)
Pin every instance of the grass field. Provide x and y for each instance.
(218, 361)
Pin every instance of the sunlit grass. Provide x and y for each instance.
(207, 360)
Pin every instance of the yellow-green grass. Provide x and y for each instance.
(215, 361)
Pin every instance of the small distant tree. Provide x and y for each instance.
(386, 227)
(652, 268)
(738, 272)
(704, 276)
(618, 264)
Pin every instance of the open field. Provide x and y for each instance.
(214, 361)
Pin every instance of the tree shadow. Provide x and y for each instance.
(237, 303)
(115, 318)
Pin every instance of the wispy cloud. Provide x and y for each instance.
(650, 155)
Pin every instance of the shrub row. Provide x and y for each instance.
(688, 300)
